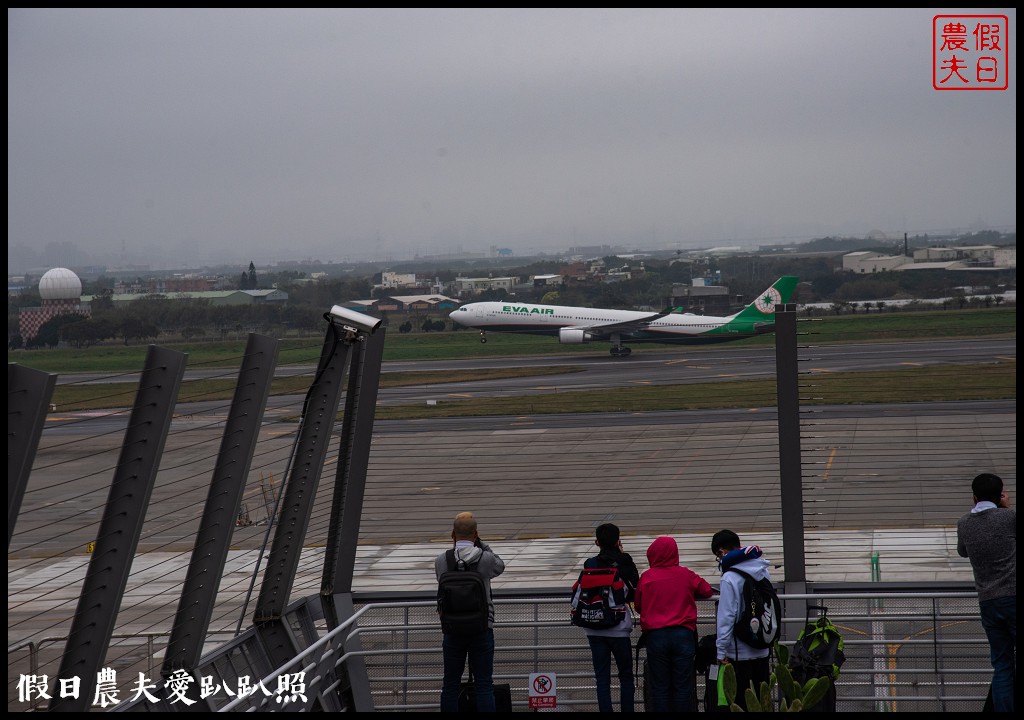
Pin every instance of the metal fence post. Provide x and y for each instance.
(790, 475)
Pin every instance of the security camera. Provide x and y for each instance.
(355, 321)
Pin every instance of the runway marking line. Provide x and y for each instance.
(911, 364)
(828, 465)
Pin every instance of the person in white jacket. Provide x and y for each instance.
(751, 664)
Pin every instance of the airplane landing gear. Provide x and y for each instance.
(483, 337)
(620, 351)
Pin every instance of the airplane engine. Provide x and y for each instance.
(573, 336)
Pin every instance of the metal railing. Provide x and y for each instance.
(906, 652)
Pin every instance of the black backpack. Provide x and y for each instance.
(599, 598)
(462, 600)
(759, 624)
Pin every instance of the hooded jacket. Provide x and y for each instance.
(750, 560)
(490, 566)
(666, 595)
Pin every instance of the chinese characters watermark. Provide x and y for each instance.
(291, 687)
(970, 52)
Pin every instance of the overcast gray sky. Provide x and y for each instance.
(187, 137)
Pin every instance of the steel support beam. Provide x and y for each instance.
(121, 526)
(28, 398)
(350, 479)
(316, 425)
(223, 502)
(347, 509)
(790, 460)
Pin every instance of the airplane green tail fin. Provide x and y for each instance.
(764, 304)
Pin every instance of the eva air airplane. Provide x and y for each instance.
(574, 325)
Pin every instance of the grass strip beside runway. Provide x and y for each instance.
(69, 398)
(978, 381)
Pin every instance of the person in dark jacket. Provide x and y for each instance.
(987, 535)
(613, 642)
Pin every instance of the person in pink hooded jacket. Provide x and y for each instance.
(666, 600)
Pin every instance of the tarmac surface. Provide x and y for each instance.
(882, 484)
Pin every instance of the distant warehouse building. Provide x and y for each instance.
(426, 303)
(403, 303)
(871, 262)
(964, 257)
(216, 298)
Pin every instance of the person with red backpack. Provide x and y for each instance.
(609, 640)
(666, 600)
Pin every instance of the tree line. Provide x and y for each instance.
(822, 280)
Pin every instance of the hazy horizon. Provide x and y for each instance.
(194, 137)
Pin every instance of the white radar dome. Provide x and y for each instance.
(60, 284)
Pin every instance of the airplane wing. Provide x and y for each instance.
(601, 330)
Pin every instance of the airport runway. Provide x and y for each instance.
(888, 467)
(656, 472)
(643, 367)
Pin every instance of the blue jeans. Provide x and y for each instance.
(602, 649)
(999, 618)
(670, 653)
(480, 650)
